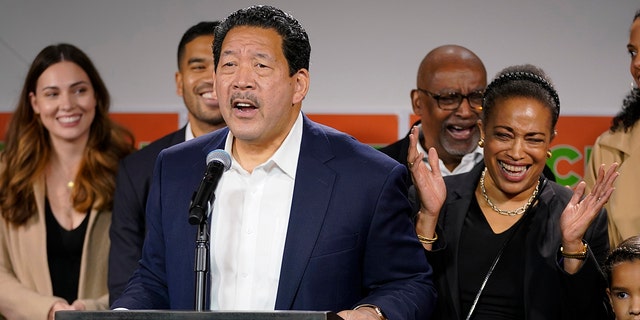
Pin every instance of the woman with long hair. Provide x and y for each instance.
(620, 144)
(57, 178)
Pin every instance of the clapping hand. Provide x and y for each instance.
(430, 187)
(581, 211)
(429, 183)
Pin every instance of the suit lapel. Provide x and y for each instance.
(179, 136)
(216, 141)
(311, 196)
(457, 206)
(453, 226)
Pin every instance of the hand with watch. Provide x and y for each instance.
(579, 213)
(363, 312)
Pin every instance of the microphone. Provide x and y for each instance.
(218, 161)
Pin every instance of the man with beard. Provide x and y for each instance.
(448, 98)
(194, 83)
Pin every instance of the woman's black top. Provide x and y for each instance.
(503, 295)
(64, 252)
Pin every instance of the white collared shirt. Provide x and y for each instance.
(249, 227)
(467, 163)
(188, 134)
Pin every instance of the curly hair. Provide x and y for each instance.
(295, 41)
(629, 114)
(28, 147)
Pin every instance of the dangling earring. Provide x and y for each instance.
(481, 143)
(549, 154)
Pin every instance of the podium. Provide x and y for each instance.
(194, 315)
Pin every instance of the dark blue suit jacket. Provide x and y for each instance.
(127, 222)
(350, 239)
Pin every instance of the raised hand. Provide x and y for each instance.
(430, 188)
(581, 211)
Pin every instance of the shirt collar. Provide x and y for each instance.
(467, 162)
(188, 134)
(286, 157)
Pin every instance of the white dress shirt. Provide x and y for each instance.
(249, 226)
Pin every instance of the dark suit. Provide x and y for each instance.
(349, 241)
(127, 225)
(549, 292)
(400, 149)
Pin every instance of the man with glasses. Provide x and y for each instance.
(448, 99)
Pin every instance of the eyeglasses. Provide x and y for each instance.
(452, 101)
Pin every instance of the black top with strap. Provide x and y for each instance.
(503, 295)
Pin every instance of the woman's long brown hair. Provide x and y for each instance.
(28, 148)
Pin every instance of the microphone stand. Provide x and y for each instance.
(202, 260)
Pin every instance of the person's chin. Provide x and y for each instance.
(460, 149)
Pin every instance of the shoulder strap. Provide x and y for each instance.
(543, 182)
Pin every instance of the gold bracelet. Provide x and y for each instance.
(426, 240)
(374, 307)
(575, 255)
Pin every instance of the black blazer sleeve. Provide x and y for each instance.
(128, 219)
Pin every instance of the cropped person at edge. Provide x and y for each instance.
(620, 145)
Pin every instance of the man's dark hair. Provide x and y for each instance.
(204, 28)
(295, 41)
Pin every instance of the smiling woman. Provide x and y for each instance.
(57, 177)
(503, 239)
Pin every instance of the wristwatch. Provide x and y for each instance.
(374, 307)
(575, 255)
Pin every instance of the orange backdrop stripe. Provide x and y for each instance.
(571, 146)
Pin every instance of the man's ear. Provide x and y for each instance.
(301, 85)
(416, 103)
(178, 79)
